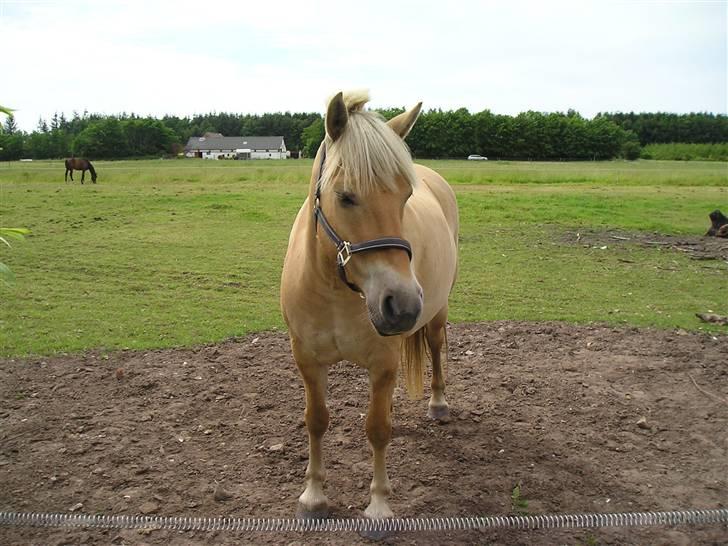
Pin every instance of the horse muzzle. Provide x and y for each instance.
(396, 311)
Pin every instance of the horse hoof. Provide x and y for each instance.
(439, 413)
(319, 513)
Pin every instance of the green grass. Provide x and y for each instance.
(169, 253)
(611, 173)
(519, 505)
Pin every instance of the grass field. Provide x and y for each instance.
(166, 253)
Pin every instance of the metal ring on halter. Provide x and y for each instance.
(344, 254)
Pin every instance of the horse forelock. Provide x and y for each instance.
(354, 99)
(368, 155)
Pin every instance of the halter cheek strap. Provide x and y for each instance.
(345, 249)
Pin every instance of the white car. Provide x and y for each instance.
(476, 157)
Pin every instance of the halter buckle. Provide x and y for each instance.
(344, 254)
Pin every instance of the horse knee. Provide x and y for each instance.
(317, 420)
(379, 430)
(380, 435)
(379, 416)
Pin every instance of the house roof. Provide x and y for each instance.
(235, 143)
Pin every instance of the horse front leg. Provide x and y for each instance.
(382, 378)
(313, 502)
(83, 175)
(65, 176)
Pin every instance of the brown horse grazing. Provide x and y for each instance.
(82, 165)
(371, 261)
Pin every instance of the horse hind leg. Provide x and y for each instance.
(436, 335)
(313, 502)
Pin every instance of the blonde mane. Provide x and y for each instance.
(369, 154)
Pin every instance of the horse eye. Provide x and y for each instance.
(346, 199)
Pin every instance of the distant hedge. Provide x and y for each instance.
(687, 152)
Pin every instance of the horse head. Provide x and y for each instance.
(366, 179)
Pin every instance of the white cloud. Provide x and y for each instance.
(185, 57)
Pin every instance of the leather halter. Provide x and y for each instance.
(345, 249)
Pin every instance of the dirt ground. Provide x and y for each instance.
(584, 419)
(696, 248)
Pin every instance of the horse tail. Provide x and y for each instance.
(415, 352)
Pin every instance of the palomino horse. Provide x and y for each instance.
(371, 260)
(82, 165)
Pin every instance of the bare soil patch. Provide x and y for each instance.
(585, 419)
(697, 248)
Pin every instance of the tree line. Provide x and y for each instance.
(437, 134)
(665, 128)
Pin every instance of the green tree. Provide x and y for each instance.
(148, 137)
(484, 134)
(663, 127)
(11, 146)
(103, 139)
(38, 145)
(10, 127)
(389, 113)
(312, 137)
(631, 148)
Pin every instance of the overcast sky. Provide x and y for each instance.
(195, 57)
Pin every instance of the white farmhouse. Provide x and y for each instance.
(216, 146)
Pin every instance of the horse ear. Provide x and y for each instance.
(403, 123)
(336, 117)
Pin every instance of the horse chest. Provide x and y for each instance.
(333, 333)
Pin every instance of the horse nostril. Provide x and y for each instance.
(400, 311)
(389, 307)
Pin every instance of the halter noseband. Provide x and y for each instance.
(345, 249)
